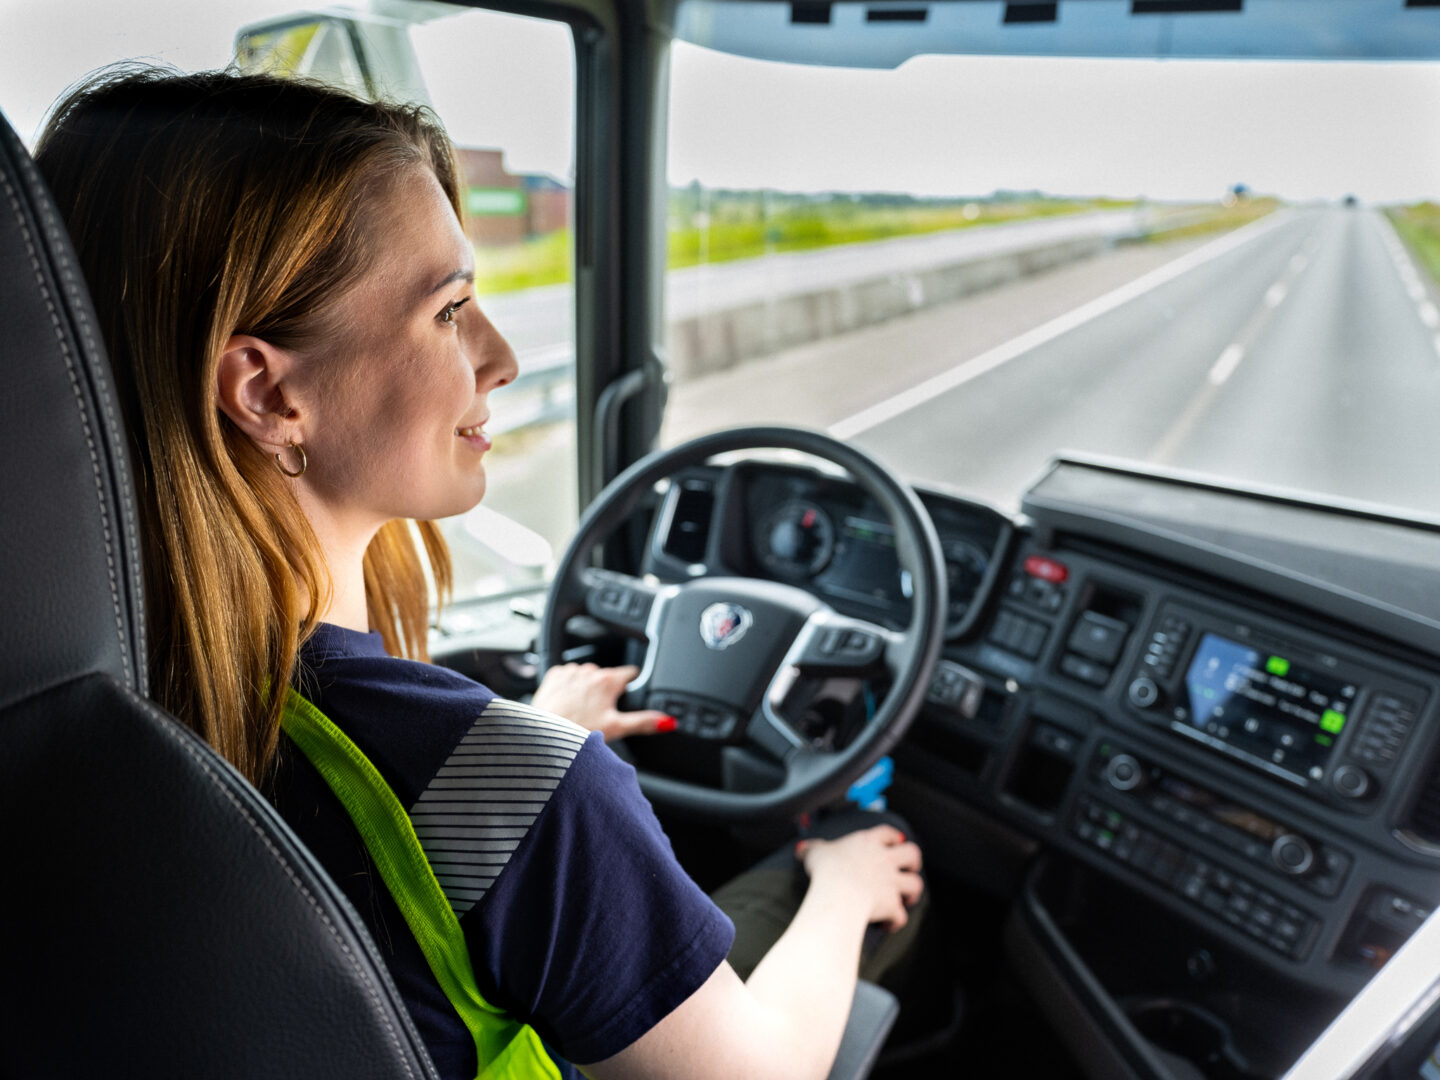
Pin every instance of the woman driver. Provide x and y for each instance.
(287, 298)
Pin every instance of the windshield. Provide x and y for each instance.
(968, 264)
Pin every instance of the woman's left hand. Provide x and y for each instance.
(588, 694)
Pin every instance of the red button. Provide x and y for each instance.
(1046, 569)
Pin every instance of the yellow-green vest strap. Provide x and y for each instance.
(505, 1048)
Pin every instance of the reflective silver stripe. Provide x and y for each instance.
(488, 794)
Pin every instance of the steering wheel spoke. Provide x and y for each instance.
(620, 601)
(835, 644)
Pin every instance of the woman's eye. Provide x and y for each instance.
(448, 314)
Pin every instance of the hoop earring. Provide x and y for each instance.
(304, 462)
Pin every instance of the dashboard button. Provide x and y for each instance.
(1083, 670)
(1098, 637)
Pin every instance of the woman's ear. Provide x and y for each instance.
(250, 388)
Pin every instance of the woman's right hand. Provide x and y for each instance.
(879, 862)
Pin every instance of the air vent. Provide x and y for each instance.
(689, 529)
(1424, 817)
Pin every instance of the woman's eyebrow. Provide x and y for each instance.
(466, 275)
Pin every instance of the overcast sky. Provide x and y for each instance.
(937, 125)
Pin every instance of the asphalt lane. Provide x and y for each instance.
(1299, 357)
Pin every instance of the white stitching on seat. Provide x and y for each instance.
(78, 293)
(55, 321)
(165, 723)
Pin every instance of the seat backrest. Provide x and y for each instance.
(159, 918)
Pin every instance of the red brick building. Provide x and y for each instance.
(503, 208)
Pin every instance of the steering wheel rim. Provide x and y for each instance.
(811, 777)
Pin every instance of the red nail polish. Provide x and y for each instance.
(902, 838)
(666, 723)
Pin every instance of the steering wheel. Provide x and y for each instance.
(724, 652)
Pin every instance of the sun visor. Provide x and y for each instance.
(885, 34)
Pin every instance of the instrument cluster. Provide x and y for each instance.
(827, 535)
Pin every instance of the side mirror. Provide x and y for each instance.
(367, 52)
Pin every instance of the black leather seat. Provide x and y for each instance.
(157, 918)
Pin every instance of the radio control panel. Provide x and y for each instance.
(1325, 724)
(1271, 846)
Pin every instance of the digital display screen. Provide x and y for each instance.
(1264, 707)
(865, 565)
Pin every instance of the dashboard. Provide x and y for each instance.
(1216, 709)
(1194, 746)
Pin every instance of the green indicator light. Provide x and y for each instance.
(1332, 721)
(1278, 665)
(1324, 740)
(1107, 835)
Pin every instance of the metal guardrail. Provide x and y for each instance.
(542, 393)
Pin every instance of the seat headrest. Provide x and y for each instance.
(69, 547)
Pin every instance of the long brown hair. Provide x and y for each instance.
(205, 206)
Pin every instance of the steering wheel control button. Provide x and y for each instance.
(618, 601)
(1124, 773)
(693, 716)
(1293, 854)
(1143, 693)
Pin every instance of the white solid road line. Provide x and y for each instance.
(976, 366)
(1416, 290)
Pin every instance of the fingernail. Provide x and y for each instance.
(902, 838)
(666, 724)
(799, 848)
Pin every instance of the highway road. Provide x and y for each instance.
(1300, 352)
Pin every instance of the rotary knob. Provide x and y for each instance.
(1293, 854)
(1351, 781)
(1124, 772)
(1143, 692)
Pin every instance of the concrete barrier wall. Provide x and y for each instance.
(721, 339)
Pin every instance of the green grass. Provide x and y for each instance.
(740, 230)
(1419, 227)
(1219, 219)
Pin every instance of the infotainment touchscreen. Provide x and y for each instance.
(1264, 707)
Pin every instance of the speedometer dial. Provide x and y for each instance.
(797, 540)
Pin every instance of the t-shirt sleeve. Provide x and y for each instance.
(593, 933)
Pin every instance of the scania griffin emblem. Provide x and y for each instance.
(721, 625)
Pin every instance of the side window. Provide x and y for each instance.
(504, 86)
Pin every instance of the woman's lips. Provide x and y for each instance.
(475, 435)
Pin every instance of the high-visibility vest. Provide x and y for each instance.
(505, 1048)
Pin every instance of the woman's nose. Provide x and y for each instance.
(498, 365)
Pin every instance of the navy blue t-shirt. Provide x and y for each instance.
(579, 920)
